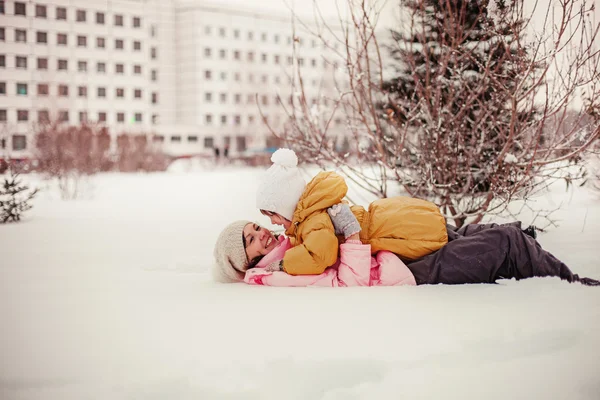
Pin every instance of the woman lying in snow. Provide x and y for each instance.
(475, 253)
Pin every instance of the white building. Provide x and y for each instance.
(187, 73)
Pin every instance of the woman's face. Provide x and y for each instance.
(259, 241)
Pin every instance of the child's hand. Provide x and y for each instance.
(344, 222)
(275, 266)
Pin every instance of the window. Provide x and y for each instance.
(101, 116)
(82, 66)
(118, 20)
(41, 37)
(276, 38)
(40, 11)
(2, 141)
(137, 45)
(61, 39)
(82, 91)
(101, 67)
(137, 69)
(100, 18)
(153, 31)
(81, 41)
(222, 32)
(263, 37)
(154, 98)
(138, 117)
(223, 97)
(20, 8)
(63, 116)
(80, 16)
(119, 69)
(238, 98)
(42, 63)
(62, 65)
(265, 100)
(222, 54)
(100, 42)
(61, 13)
(137, 93)
(236, 55)
(176, 138)
(2, 115)
(120, 117)
(154, 75)
(223, 75)
(2, 7)
(251, 56)
(22, 115)
(250, 77)
(264, 57)
(236, 76)
(83, 116)
(120, 93)
(237, 119)
(207, 30)
(223, 119)
(290, 60)
(207, 52)
(153, 53)
(2, 34)
(2, 88)
(119, 44)
(264, 79)
(192, 139)
(19, 142)
(250, 35)
(250, 98)
(236, 33)
(101, 92)
(2, 60)
(42, 89)
(208, 119)
(277, 79)
(21, 62)
(20, 35)
(63, 90)
(300, 61)
(43, 116)
(137, 22)
(209, 143)
(207, 74)
(158, 139)
(154, 119)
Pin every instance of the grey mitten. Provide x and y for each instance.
(344, 222)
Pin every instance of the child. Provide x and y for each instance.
(410, 228)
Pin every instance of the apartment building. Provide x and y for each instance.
(188, 74)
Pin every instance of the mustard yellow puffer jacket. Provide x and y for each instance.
(411, 228)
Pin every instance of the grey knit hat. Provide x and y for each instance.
(230, 255)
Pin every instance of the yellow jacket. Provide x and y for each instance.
(411, 228)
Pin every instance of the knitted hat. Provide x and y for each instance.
(282, 185)
(230, 255)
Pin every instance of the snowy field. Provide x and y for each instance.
(109, 297)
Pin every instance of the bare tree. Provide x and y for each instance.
(488, 114)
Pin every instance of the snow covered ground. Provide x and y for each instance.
(109, 297)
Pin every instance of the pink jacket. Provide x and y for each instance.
(355, 267)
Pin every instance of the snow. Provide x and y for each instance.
(109, 297)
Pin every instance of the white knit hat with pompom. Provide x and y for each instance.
(282, 185)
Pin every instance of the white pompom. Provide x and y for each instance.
(285, 158)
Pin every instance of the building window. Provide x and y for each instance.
(208, 119)
(207, 52)
(158, 139)
(236, 33)
(80, 16)
(42, 63)
(100, 42)
(222, 54)
(223, 75)
(20, 8)
(63, 90)
(207, 30)
(207, 74)
(82, 91)
(250, 36)
(61, 39)
(83, 116)
(237, 120)
(82, 66)
(137, 93)
(101, 92)
(2, 88)
(43, 116)
(192, 139)
(62, 65)
(313, 62)
(264, 57)
(119, 68)
(138, 117)
(264, 79)
(119, 44)
(120, 117)
(222, 32)
(118, 20)
(223, 119)
(251, 56)
(20, 35)
(154, 75)
(101, 67)
(42, 89)
(19, 142)
(22, 89)
(153, 53)
(240, 142)
(2, 60)
(22, 115)
(265, 100)
(236, 55)
(63, 116)
(137, 69)
(137, 45)
(223, 97)
(100, 18)
(2, 34)
(263, 37)
(209, 142)
(120, 93)
(176, 138)
(236, 76)
(153, 31)
(276, 38)
(101, 116)
(250, 98)
(250, 77)
(81, 41)
(238, 98)
(40, 11)
(3, 115)
(154, 98)
(137, 22)
(61, 13)
(41, 37)
(154, 119)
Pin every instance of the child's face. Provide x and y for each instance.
(258, 240)
(277, 219)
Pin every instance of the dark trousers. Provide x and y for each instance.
(483, 253)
